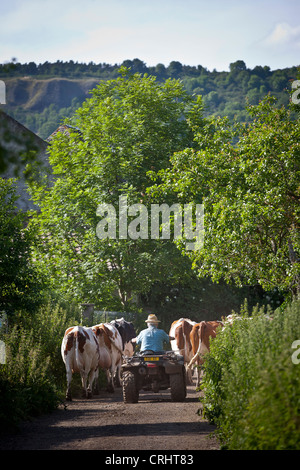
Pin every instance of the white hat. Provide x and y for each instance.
(152, 319)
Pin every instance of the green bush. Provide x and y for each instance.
(27, 387)
(251, 385)
(48, 326)
(32, 380)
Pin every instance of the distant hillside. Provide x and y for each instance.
(41, 96)
(41, 105)
(36, 95)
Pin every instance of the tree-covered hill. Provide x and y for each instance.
(41, 95)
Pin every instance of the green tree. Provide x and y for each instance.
(175, 68)
(21, 285)
(250, 191)
(129, 126)
(237, 66)
(136, 65)
(160, 71)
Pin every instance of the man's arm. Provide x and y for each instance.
(137, 339)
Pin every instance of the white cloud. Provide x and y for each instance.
(284, 35)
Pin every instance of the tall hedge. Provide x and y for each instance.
(251, 381)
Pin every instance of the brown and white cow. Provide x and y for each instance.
(111, 350)
(180, 330)
(200, 338)
(80, 353)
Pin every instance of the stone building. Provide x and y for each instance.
(20, 147)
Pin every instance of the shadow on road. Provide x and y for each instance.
(105, 422)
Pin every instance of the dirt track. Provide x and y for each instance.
(106, 423)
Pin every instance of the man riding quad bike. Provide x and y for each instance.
(153, 368)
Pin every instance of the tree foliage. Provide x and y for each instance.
(21, 284)
(128, 127)
(248, 178)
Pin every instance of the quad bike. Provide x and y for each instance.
(155, 372)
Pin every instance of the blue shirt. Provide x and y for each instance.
(152, 338)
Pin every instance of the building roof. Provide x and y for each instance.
(65, 129)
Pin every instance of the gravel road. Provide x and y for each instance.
(106, 423)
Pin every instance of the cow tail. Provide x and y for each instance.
(78, 356)
(194, 359)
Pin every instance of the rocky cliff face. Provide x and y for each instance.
(36, 95)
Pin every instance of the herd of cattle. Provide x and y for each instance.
(85, 350)
(103, 346)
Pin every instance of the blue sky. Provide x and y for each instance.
(211, 33)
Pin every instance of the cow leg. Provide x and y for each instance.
(87, 388)
(198, 373)
(200, 369)
(110, 380)
(118, 377)
(84, 377)
(96, 382)
(92, 376)
(189, 378)
(69, 379)
(199, 363)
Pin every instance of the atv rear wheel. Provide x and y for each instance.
(130, 391)
(178, 387)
